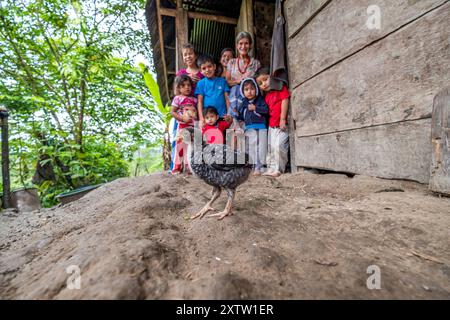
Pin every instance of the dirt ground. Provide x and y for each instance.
(301, 236)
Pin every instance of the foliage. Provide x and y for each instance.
(77, 103)
(98, 162)
(164, 112)
(147, 160)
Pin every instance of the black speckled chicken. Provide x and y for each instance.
(219, 166)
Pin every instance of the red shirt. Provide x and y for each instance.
(273, 99)
(214, 134)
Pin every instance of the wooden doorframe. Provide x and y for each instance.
(440, 140)
(182, 17)
(246, 23)
(182, 32)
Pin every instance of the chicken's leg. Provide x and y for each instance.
(227, 210)
(215, 194)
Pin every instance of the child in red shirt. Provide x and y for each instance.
(278, 102)
(214, 129)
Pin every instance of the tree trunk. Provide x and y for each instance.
(166, 150)
(79, 134)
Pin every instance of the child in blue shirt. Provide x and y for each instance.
(211, 90)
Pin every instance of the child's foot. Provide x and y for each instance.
(275, 174)
(268, 172)
(174, 172)
(256, 173)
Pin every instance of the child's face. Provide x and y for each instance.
(263, 82)
(226, 57)
(185, 88)
(211, 119)
(208, 69)
(189, 57)
(243, 46)
(249, 91)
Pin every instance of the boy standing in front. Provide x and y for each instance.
(278, 102)
(211, 90)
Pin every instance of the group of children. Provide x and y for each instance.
(203, 94)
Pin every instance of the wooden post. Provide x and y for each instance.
(201, 16)
(245, 22)
(440, 140)
(5, 159)
(181, 31)
(161, 42)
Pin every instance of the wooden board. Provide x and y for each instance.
(394, 151)
(340, 30)
(440, 140)
(265, 15)
(393, 80)
(299, 12)
(182, 33)
(245, 22)
(292, 130)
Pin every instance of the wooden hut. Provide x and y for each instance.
(363, 74)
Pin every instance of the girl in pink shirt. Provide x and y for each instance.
(184, 110)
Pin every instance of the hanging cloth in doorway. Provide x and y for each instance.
(278, 65)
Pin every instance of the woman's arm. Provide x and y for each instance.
(230, 81)
(227, 102)
(200, 110)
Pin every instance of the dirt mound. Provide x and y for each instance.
(299, 236)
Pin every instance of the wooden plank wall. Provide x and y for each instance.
(440, 137)
(361, 98)
(264, 13)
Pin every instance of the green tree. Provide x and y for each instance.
(79, 106)
(163, 111)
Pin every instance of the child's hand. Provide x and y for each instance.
(202, 123)
(186, 118)
(251, 107)
(179, 138)
(283, 126)
(228, 118)
(194, 77)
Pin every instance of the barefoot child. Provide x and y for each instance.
(185, 112)
(278, 102)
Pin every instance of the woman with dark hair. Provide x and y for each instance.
(190, 60)
(225, 56)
